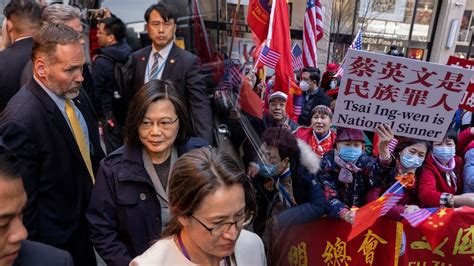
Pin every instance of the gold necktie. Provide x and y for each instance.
(80, 138)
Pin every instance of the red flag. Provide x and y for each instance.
(201, 40)
(369, 213)
(249, 101)
(436, 225)
(205, 49)
(258, 17)
(278, 40)
(312, 32)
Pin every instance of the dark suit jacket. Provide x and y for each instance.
(319, 98)
(12, 61)
(183, 68)
(55, 176)
(38, 254)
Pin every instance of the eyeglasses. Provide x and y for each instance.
(223, 228)
(164, 123)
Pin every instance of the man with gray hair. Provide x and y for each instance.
(50, 125)
(22, 21)
(62, 14)
(70, 16)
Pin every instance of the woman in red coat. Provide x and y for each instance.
(318, 136)
(440, 182)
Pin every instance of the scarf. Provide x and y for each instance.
(285, 189)
(318, 145)
(345, 175)
(449, 170)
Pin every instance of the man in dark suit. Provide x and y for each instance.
(70, 16)
(23, 20)
(14, 249)
(164, 60)
(50, 124)
(313, 95)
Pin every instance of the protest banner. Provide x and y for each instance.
(467, 102)
(324, 242)
(417, 99)
(387, 242)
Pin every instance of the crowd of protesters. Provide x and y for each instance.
(185, 173)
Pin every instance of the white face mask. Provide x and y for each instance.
(304, 85)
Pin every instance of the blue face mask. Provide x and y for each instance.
(267, 169)
(350, 154)
(410, 161)
(444, 154)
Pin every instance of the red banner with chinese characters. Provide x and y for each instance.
(323, 242)
(455, 248)
(387, 242)
(467, 102)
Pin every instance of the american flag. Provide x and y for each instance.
(417, 217)
(312, 32)
(235, 78)
(357, 45)
(231, 78)
(269, 57)
(296, 57)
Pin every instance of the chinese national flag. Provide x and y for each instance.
(278, 40)
(436, 225)
(249, 101)
(369, 213)
(258, 17)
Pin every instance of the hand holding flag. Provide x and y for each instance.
(367, 215)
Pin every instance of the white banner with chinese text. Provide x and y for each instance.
(418, 99)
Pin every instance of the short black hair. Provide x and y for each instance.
(114, 26)
(451, 134)
(10, 168)
(149, 93)
(25, 15)
(314, 73)
(165, 11)
(314, 76)
(25, 9)
(311, 69)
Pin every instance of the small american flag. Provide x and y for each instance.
(297, 57)
(417, 217)
(269, 57)
(235, 78)
(357, 45)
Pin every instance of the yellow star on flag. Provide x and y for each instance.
(442, 212)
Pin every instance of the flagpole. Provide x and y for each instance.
(345, 55)
(234, 23)
(254, 70)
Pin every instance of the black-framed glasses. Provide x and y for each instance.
(223, 228)
(164, 123)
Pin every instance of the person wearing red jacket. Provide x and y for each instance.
(466, 150)
(441, 180)
(319, 135)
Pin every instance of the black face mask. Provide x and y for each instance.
(332, 73)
